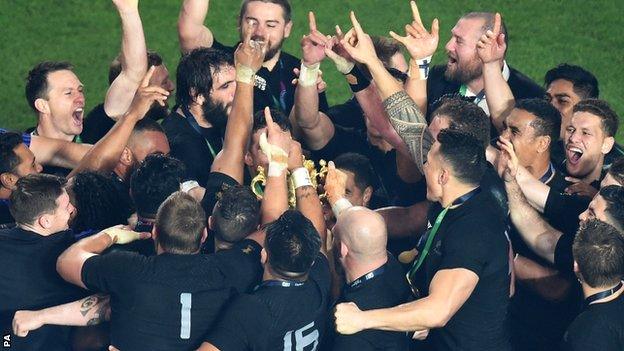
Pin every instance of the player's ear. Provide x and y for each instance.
(204, 235)
(263, 256)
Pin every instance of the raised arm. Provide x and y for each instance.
(105, 154)
(274, 144)
(405, 116)
(364, 90)
(535, 231)
(69, 264)
(192, 32)
(248, 58)
(448, 291)
(491, 50)
(133, 60)
(90, 310)
(56, 152)
(308, 202)
(421, 45)
(316, 127)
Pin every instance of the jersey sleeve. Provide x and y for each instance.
(214, 186)
(242, 327)
(110, 272)
(241, 264)
(563, 254)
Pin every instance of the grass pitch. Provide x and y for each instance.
(87, 33)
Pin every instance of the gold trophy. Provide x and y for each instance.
(316, 176)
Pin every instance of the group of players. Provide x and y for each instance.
(464, 206)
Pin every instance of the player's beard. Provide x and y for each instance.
(464, 73)
(216, 114)
(272, 50)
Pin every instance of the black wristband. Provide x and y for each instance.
(357, 80)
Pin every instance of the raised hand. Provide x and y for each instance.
(348, 320)
(314, 43)
(295, 156)
(275, 143)
(250, 53)
(335, 183)
(146, 95)
(126, 5)
(417, 40)
(491, 46)
(359, 44)
(507, 161)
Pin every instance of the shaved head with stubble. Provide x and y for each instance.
(360, 239)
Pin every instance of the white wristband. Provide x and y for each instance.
(340, 205)
(301, 177)
(276, 169)
(309, 75)
(245, 74)
(343, 66)
(422, 71)
(188, 186)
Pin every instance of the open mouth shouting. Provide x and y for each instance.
(573, 154)
(77, 116)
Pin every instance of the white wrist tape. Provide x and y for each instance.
(342, 65)
(309, 75)
(245, 74)
(420, 68)
(340, 205)
(188, 186)
(276, 169)
(301, 177)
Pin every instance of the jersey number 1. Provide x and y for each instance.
(185, 315)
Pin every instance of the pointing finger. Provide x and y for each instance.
(356, 24)
(415, 12)
(312, 21)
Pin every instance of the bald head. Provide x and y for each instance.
(363, 232)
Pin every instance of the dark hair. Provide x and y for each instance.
(97, 203)
(284, 4)
(147, 125)
(600, 108)
(180, 223)
(489, 18)
(158, 177)
(584, 83)
(195, 72)
(35, 195)
(360, 166)
(8, 158)
(153, 59)
(614, 197)
(617, 170)
(37, 80)
(464, 153)
(547, 120)
(292, 244)
(236, 214)
(464, 116)
(599, 252)
(278, 117)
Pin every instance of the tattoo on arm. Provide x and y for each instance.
(97, 307)
(410, 124)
